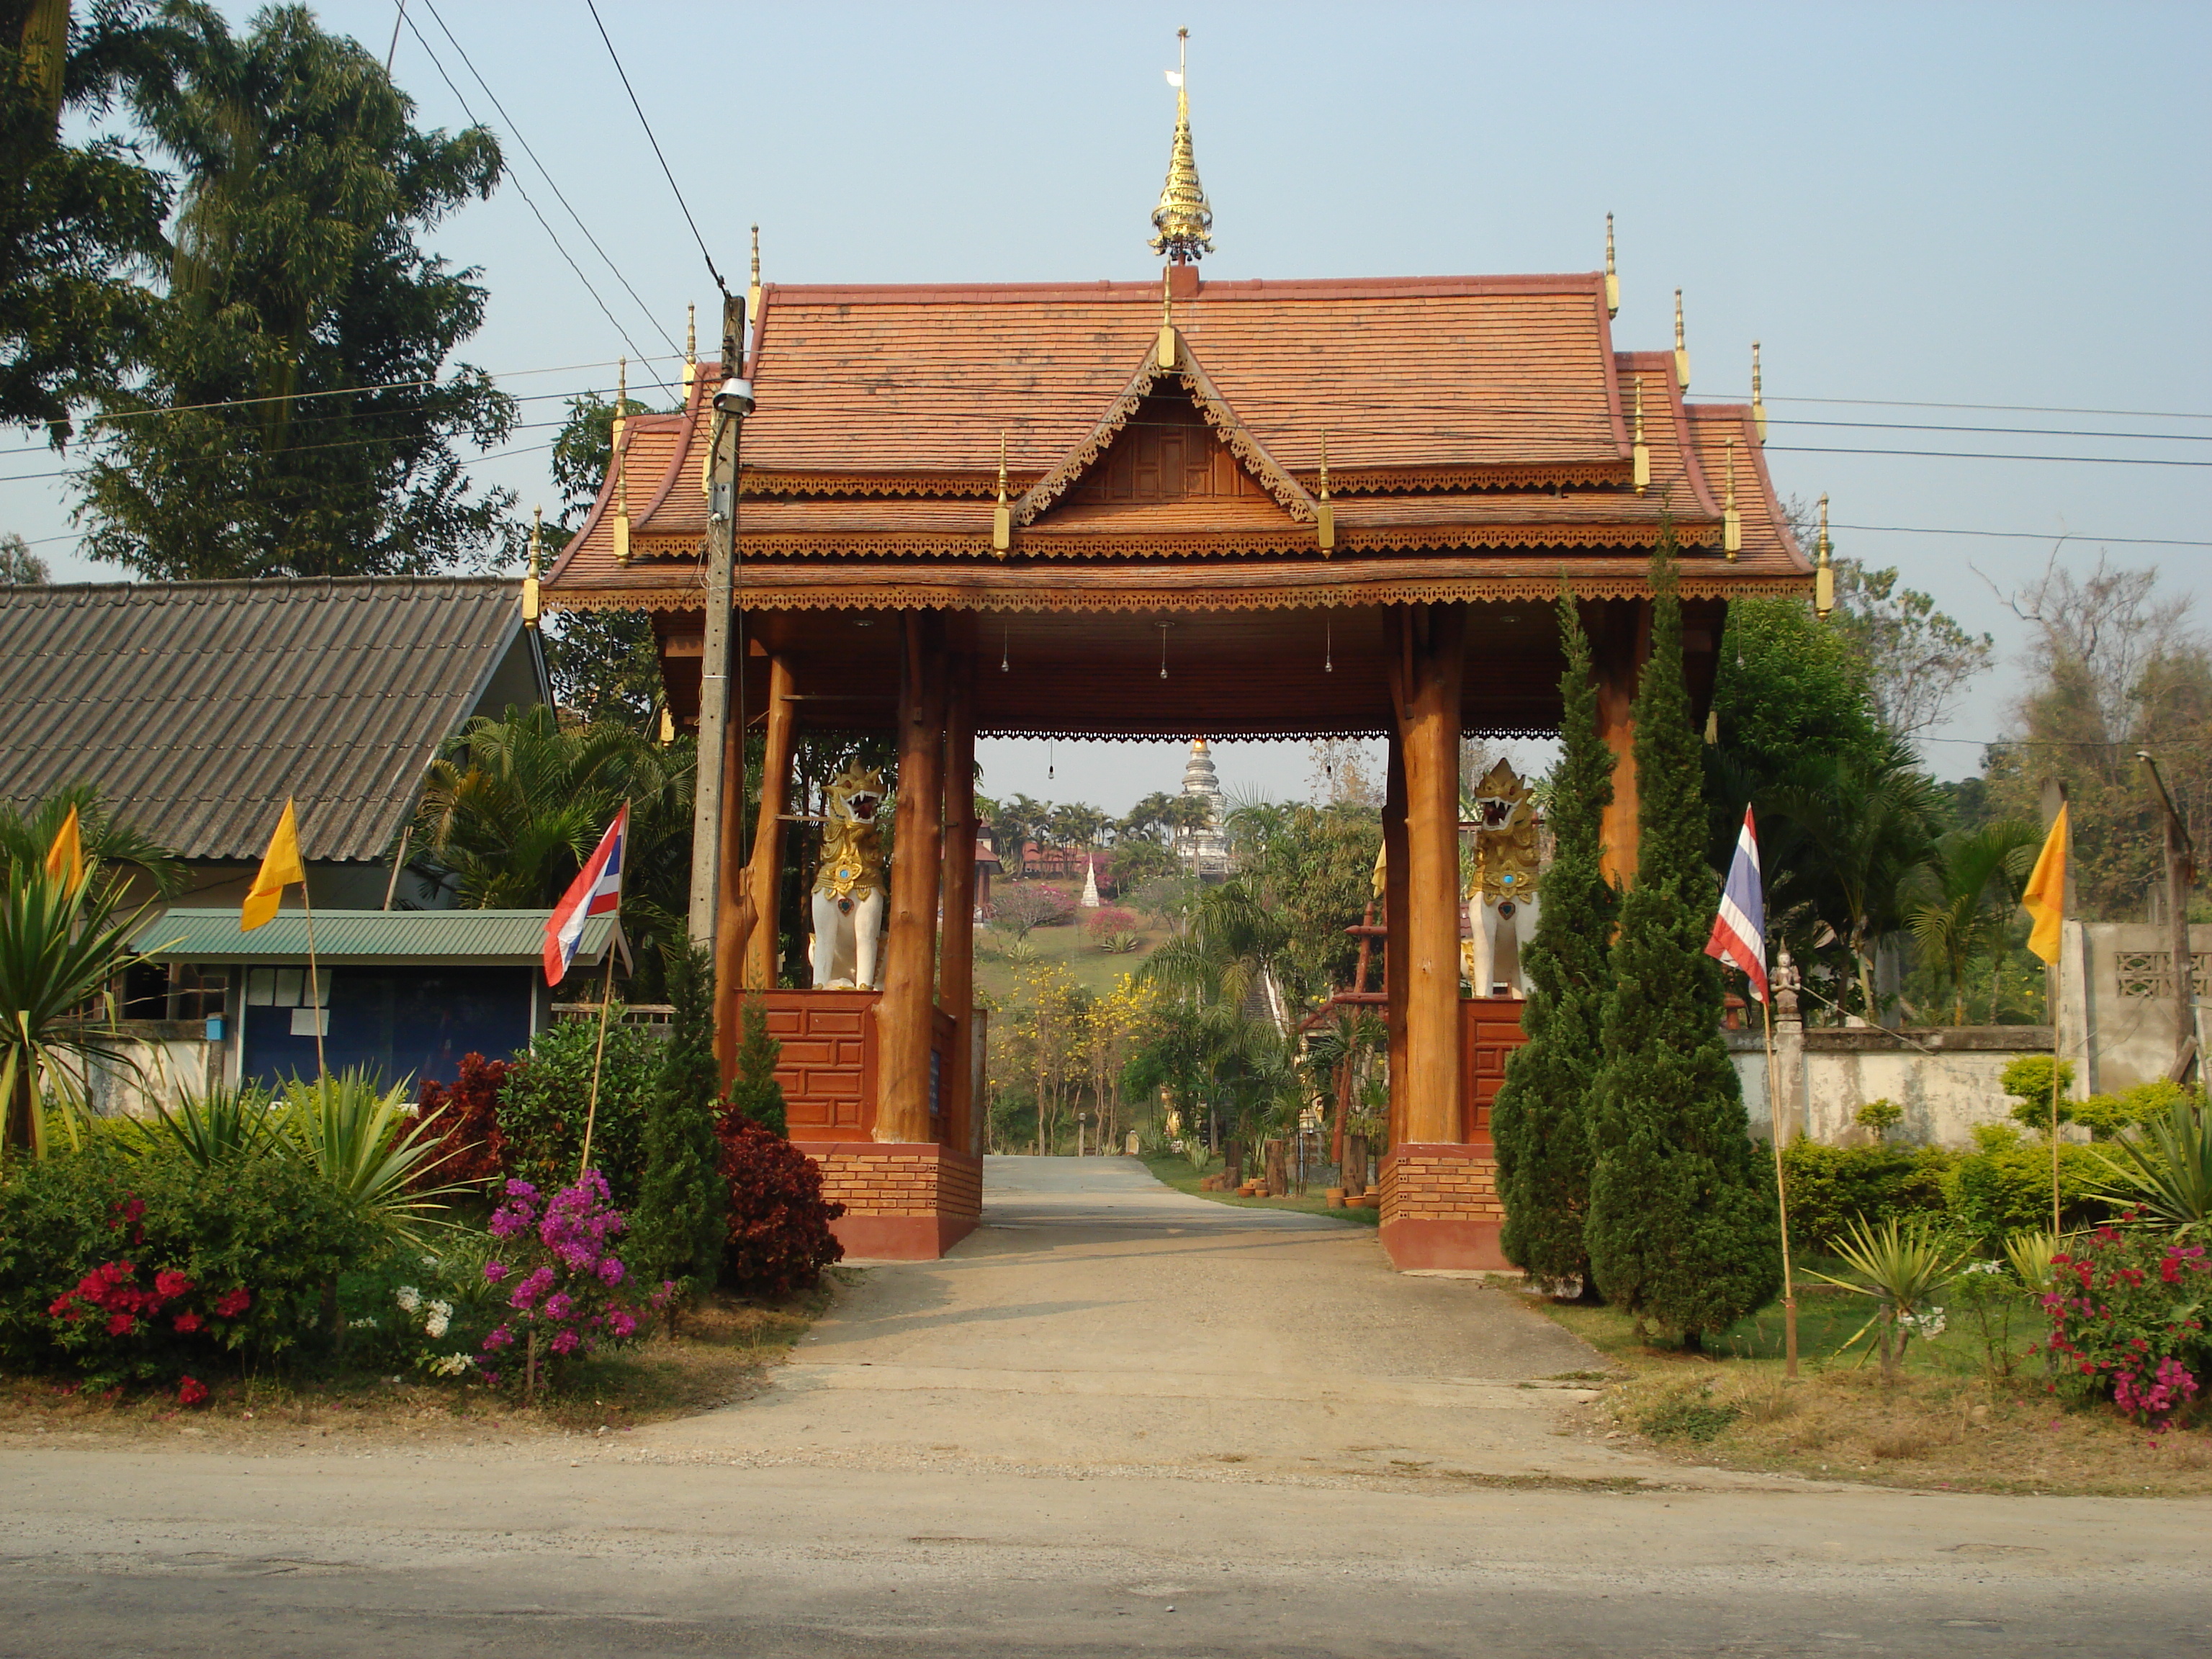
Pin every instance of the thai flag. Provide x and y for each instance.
(596, 890)
(1740, 930)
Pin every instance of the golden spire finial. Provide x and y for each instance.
(1824, 573)
(690, 349)
(1681, 346)
(753, 290)
(1002, 518)
(1184, 218)
(622, 399)
(1731, 520)
(1164, 354)
(1325, 514)
(1757, 402)
(622, 476)
(530, 572)
(1612, 273)
(1641, 451)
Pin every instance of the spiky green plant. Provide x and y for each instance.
(2029, 1254)
(2163, 1169)
(217, 1127)
(63, 946)
(365, 1144)
(1899, 1265)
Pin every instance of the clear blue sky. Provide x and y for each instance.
(1955, 204)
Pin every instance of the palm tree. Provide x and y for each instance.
(1860, 827)
(26, 835)
(516, 804)
(1958, 901)
(1027, 820)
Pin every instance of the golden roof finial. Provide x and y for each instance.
(1641, 451)
(1184, 218)
(1325, 514)
(1164, 354)
(753, 291)
(1681, 346)
(1731, 520)
(690, 349)
(529, 573)
(621, 400)
(1002, 518)
(622, 482)
(1757, 402)
(1824, 573)
(1612, 273)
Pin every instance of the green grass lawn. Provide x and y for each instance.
(1174, 1169)
(1066, 944)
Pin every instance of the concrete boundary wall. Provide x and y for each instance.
(1944, 1078)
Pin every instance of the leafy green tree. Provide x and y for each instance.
(26, 835)
(296, 413)
(1914, 658)
(1681, 1226)
(1312, 867)
(682, 1202)
(605, 665)
(1959, 903)
(19, 566)
(1541, 1120)
(74, 218)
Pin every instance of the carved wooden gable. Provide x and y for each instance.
(1167, 453)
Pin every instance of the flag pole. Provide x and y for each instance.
(1781, 1190)
(2057, 997)
(314, 986)
(598, 1053)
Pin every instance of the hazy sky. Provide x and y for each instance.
(1912, 205)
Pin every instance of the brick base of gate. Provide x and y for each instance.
(902, 1202)
(1440, 1206)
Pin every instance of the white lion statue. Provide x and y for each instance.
(848, 885)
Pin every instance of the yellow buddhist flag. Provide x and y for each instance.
(280, 868)
(2045, 897)
(65, 858)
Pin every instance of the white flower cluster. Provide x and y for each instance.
(1926, 1326)
(437, 1316)
(452, 1364)
(1985, 1267)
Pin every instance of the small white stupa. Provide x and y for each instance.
(1089, 899)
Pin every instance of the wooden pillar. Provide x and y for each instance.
(1395, 944)
(1621, 639)
(746, 939)
(906, 1012)
(957, 970)
(1426, 687)
(733, 909)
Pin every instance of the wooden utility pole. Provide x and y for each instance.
(2180, 877)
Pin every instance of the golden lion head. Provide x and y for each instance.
(856, 792)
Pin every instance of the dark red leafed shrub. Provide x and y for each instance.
(1110, 919)
(464, 1116)
(778, 1223)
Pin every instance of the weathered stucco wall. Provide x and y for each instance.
(2117, 1004)
(158, 1060)
(1944, 1078)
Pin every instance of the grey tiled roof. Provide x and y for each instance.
(196, 707)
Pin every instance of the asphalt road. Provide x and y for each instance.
(1118, 1421)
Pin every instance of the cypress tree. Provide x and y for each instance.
(1681, 1223)
(1540, 1122)
(683, 1202)
(754, 1092)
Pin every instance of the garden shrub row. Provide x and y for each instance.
(2002, 1186)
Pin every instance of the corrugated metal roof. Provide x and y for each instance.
(196, 707)
(486, 937)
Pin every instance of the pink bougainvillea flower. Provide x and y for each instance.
(495, 1271)
(564, 1342)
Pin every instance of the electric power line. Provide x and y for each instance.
(532, 205)
(559, 195)
(2023, 535)
(1984, 455)
(1991, 409)
(655, 143)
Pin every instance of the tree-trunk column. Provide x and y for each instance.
(1430, 669)
(734, 909)
(906, 1014)
(957, 969)
(1396, 861)
(745, 942)
(1621, 639)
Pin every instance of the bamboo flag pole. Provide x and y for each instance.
(315, 1009)
(2044, 898)
(599, 1054)
(1780, 1187)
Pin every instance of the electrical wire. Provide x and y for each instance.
(558, 245)
(1984, 455)
(655, 143)
(1989, 409)
(2024, 535)
(561, 195)
(346, 443)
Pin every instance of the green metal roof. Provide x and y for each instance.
(477, 937)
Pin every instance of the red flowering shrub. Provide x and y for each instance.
(778, 1223)
(1108, 920)
(2127, 1319)
(464, 1116)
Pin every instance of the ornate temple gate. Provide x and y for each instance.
(1162, 510)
